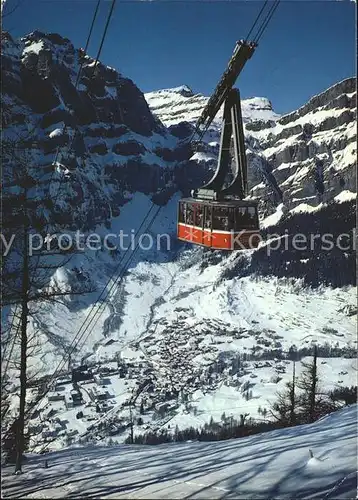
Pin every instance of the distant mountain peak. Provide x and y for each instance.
(179, 104)
(183, 90)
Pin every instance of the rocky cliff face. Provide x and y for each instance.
(312, 151)
(95, 136)
(103, 127)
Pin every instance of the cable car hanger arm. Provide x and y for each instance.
(242, 53)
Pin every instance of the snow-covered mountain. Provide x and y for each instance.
(181, 317)
(180, 104)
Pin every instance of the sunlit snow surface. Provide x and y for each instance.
(177, 278)
(271, 465)
(166, 286)
(163, 287)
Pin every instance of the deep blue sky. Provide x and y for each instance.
(307, 46)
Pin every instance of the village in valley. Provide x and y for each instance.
(181, 374)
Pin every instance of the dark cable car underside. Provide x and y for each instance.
(216, 216)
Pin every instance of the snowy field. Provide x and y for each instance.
(275, 464)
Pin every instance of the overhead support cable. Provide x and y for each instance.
(84, 328)
(267, 20)
(257, 18)
(76, 85)
(105, 32)
(87, 42)
(71, 144)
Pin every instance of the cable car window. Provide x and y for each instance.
(245, 218)
(231, 218)
(241, 218)
(189, 214)
(221, 218)
(182, 210)
(198, 215)
(251, 216)
(207, 216)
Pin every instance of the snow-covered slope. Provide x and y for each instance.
(271, 465)
(191, 322)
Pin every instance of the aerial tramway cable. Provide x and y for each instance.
(266, 20)
(257, 18)
(84, 327)
(87, 42)
(96, 61)
(105, 32)
(203, 123)
(76, 85)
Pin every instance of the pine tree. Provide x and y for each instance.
(284, 408)
(308, 384)
(26, 274)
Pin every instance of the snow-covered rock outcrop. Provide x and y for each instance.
(310, 153)
(99, 127)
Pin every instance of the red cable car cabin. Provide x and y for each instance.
(222, 225)
(218, 216)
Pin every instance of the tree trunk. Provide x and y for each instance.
(293, 396)
(312, 401)
(20, 441)
(131, 419)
